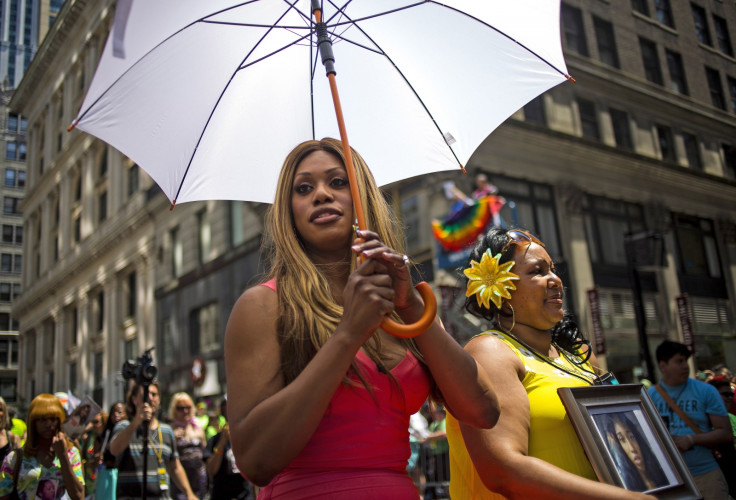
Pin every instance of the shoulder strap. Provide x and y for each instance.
(16, 467)
(677, 409)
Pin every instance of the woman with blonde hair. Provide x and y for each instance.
(190, 441)
(8, 440)
(47, 455)
(319, 396)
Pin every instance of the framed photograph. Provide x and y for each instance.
(80, 416)
(626, 441)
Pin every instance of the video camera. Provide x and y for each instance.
(142, 371)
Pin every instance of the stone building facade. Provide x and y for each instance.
(641, 145)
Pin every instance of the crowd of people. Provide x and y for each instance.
(324, 403)
(40, 462)
(330, 395)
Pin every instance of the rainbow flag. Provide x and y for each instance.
(461, 228)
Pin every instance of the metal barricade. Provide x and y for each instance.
(431, 475)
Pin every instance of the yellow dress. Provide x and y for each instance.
(551, 435)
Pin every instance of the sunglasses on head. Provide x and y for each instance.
(521, 238)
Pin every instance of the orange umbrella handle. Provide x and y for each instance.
(418, 328)
(430, 302)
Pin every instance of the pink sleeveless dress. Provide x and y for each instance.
(360, 449)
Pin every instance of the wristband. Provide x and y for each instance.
(691, 439)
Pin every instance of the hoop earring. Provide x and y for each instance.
(513, 320)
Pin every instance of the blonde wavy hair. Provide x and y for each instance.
(307, 311)
(178, 398)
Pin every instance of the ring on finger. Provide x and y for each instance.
(404, 263)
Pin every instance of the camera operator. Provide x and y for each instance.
(162, 459)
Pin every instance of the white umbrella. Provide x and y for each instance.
(210, 96)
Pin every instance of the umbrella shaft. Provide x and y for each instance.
(349, 166)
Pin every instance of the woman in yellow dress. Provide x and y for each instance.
(533, 451)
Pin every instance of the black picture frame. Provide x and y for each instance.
(626, 441)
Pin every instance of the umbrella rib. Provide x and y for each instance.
(408, 83)
(503, 34)
(222, 94)
(243, 65)
(82, 114)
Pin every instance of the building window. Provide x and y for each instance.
(664, 12)
(650, 58)
(11, 150)
(12, 235)
(732, 91)
(11, 205)
(204, 236)
(621, 129)
(204, 327)
(49, 348)
(677, 72)
(98, 312)
(640, 6)
(177, 253)
(692, 149)
(11, 263)
(606, 42)
(6, 263)
(102, 202)
(133, 179)
(572, 26)
(74, 326)
(413, 207)
(103, 164)
(5, 292)
(167, 352)
(237, 233)
(697, 261)
(8, 324)
(132, 295)
(535, 210)
(666, 143)
(15, 178)
(716, 88)
(4, 353)
(697, 249)
(12, 123)
(729, 160)
(73, 377)
(710, 316)
(701, 24)
(131, 348)
(722, 36)
(588, 119)
(77, 228)
(8, 389)
(534, 111)
(10, 177)
(607, 221)
(98, 376)
(78, 188)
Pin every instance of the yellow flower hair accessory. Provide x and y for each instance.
(490, 282)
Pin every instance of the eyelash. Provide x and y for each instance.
(338, 182)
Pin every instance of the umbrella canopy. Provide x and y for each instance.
(210, 96)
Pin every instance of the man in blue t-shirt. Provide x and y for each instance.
(702, 403)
